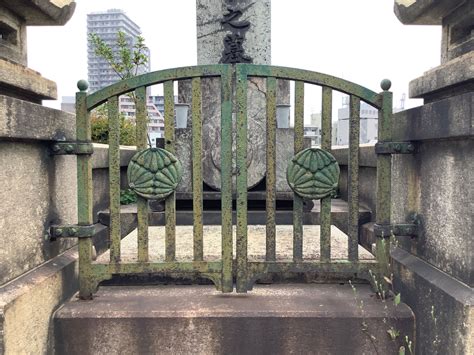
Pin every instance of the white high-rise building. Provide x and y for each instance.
(368, 124)
(106, 25)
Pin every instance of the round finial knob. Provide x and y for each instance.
(82, 85)
(385, 84)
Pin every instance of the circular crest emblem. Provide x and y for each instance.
(154, 173)
(313, 173)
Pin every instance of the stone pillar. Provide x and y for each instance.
(435, 271)
(37, 189)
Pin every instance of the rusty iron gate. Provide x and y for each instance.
(304, 176)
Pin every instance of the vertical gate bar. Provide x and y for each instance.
(353, 179)
(84, 196)
(226, 179)
(142, 203)
(384, 171)
(170, 202)
(197, 169)
(241, 128)
(298, 146)
(326, 121)
(271, 169)
(114, 177)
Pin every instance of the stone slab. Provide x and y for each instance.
(42, 12)
(256, 244)
(28, 121)
(100, 158)
(367, 237)
(452, 78)
(451, 118)
(339, 216)
(19, 81)
(27, 305)
(367, 156)
(443, 306)
(277, 319)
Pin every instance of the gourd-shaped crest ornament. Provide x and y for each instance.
(313, 173)
(154, 173)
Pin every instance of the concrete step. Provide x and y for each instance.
(272, 319)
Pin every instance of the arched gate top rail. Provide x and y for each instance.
(183, 73)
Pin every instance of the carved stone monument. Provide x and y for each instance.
(230, 32)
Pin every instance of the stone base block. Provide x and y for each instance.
(277, 319)
(27, 303)
(443, 306)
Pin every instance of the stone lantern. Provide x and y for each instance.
(16, 80)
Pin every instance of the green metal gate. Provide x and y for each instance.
(234, 81)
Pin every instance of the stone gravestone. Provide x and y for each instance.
(230, 32)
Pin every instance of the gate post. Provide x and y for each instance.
(84, 193)
(384, 173)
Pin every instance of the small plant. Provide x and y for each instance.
(393, 333)
(125, 60)
(364, 325)
(126, 57)
(409, 344)
(100, 128)
(127, 197)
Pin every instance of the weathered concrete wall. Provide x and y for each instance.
(434, 271)
(100, 175)
(367, 175)
(37, 189)
(436, 183)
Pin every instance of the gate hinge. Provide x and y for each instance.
(387, 230)
(394, 148)
(72, 148)
(71, 231)
(412, 228)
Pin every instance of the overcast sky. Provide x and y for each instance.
(361, 41)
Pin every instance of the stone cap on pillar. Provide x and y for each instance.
(424, 12)
(42, 12)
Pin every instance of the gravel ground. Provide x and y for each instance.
(256, 244)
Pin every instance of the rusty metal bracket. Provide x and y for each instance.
(394, 148)
(387, 230)
(412, 228)
(71, 231)
(72, 148)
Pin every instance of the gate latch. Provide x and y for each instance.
(71, 231)
(394, 148)
(72, 148)
(413, 228)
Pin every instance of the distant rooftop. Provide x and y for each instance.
(107, 11)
